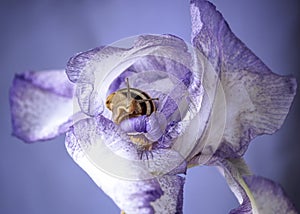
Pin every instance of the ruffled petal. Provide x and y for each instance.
(255, 194)
(172, 199)
(41, 105)
(92, 69)
(269, 196)
(257, 100)
(106, 154)
(256, 105)
(162, 66)
(213, 37)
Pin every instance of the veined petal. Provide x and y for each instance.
(257, 100)
(95, 70)
(212, 35)
(41, 104)
(172, 199)
(162, 66)
(105, 153)
(76, 64)
(255, 194)
(256, 105)
(269, 196)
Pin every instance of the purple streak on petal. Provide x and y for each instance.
(79, 67)
(153, 64)
(114, 137)
(257, 100)
(137, 197)
(256, 105)
(89, 132)
(172, 199)
(54, 81)
(84, 78)
(121, 79)
(163, 194)
(168, 107)
(269, 196)
(156, 126)
(88, 99)
(77, 63)
(80, 137)
(136, 124)
(167, 103)
(41, 105)
(266, 195)
(83, 69)
(165, 64)
(130, 196)
(72, 146)
(233, 172)
(161, 40)
(212, 35)
(173, 130)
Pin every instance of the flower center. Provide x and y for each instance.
(130, 103)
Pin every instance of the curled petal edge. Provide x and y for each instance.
(255, 194)
(257, 100)
(41, 105)
(160, 194)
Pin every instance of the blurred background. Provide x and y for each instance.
(43, 34)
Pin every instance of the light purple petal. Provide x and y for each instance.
(257, 100)
(41, 104)
(97, 137)
(164, 67)
(138, 181)
(77, 63)
(257, 104)
(111, 149)
(172, 199)
(85, 69)
(135, 124)
(91, 69)
(269, 196)
(157, 72)
(255, 194)
(213, 37)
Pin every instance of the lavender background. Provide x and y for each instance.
(41, 34)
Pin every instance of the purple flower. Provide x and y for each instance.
(138, 113)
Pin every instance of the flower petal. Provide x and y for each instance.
(257, 100)
(269, 196)
(213, 37)
(164, 67)
(41, 104)
(179, 92)
(133, 194)
(94, 70)
(255, 194)
(172, 199)
(76, 64)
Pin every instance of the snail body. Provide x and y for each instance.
(133, 110)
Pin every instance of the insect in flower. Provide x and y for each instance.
(128, 103)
